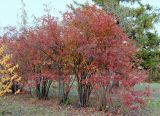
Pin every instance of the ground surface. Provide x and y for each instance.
(153, 107)
(25, 105)
(22, 105)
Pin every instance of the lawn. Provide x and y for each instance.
(153, 107)
(25, 105)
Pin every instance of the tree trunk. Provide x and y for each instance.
(84, 91)
(42, 88)
(102, 98)
(14, 88)
(62, 94)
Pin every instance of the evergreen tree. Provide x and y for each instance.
(138, 23)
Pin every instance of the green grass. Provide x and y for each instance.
(19, 106)
(153, 106)
(24, 105)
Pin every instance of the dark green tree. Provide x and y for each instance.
(139, 24)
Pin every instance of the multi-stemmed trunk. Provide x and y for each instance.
(102, 98)
(42, 87)
(64, 89)
(63, 96)
(84, 91)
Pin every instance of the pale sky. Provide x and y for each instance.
(10, 9)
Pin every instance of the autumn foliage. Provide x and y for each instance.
(89, 45)
(100, 53)
(8, 76)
